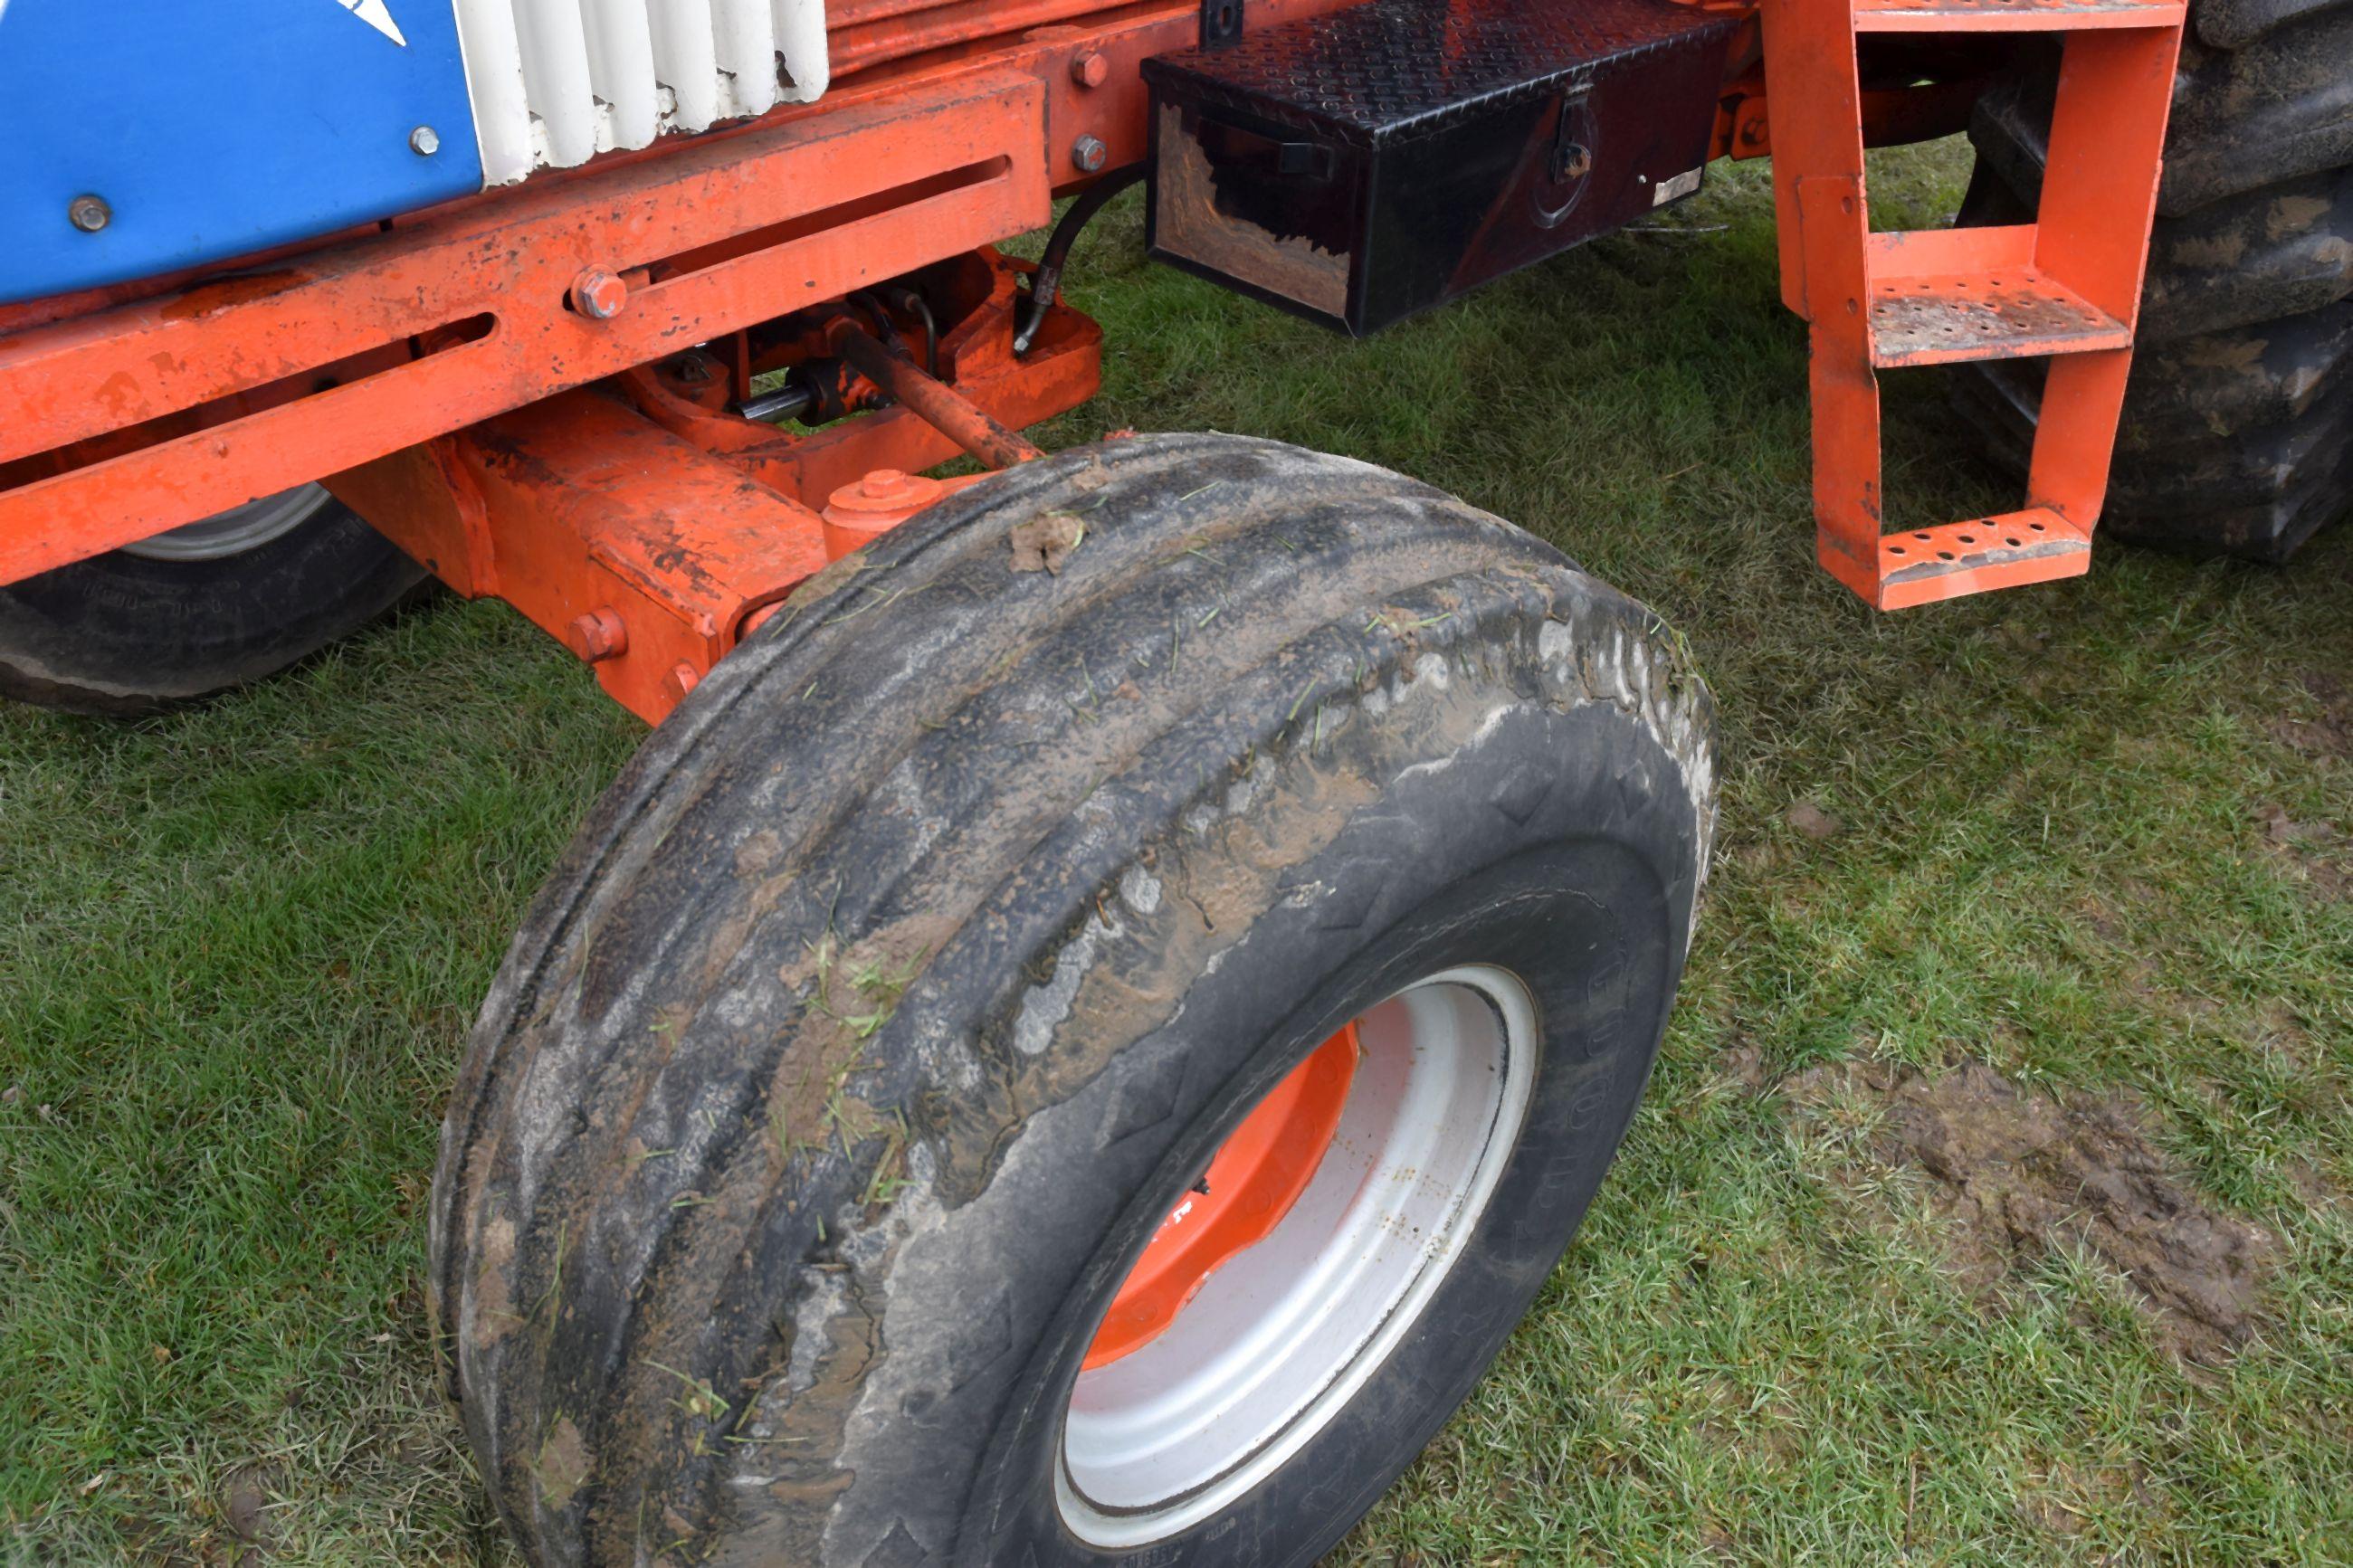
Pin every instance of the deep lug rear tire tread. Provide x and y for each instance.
(2240, 416)
(123, 636)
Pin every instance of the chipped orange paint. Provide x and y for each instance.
(137, 408)
(649, 532)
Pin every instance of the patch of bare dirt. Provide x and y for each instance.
(2065, 1498)
(2312, 1185)
(2330, 733)
(2313, 848)
(1744, 1064)
(2021, 1172)
(1808, 819)
(245, 1510)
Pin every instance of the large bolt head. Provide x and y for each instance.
(1088, 68)
(425, 140)
(598, 634)
(88, 214)
(1089, 154)
(598, 294)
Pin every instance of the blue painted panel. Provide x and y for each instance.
(217, 128)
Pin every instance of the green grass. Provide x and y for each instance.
(244, 942)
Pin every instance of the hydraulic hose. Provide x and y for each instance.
(1048, 277)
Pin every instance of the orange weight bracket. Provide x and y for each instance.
(649, 531)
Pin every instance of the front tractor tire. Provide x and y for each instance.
(227, 600)
(1036, 1063)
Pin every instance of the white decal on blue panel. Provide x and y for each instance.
(373, 13)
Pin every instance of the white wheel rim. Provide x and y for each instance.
(236, 530)
(1284, 1335)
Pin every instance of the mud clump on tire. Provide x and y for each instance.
(2017, 1174)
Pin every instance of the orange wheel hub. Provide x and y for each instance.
(1253, 1181)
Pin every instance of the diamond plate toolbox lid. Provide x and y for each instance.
(1358, 166)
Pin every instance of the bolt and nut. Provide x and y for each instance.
(425, 140)
(1089, 153)
(88, 214)
(1088, 68)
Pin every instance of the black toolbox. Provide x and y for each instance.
(1361, 165)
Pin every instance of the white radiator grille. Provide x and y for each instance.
(554, 82)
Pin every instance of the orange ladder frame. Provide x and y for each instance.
(2066, 286)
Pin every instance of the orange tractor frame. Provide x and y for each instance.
(529, 391)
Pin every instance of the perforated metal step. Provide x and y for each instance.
(2006, 315)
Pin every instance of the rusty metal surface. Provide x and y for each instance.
(967, 424)
(939, 171)
(647, 529)
(138, 408)
(1930, 563)
(1187, 223)
(639, 550)
(2063, 283)
(1948, 320)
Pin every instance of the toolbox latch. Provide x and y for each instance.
(1221, 22)
(1571, 160)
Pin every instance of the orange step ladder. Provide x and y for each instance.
(2066, 285)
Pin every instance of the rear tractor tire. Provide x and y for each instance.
(2238, 428)
(227, 600)
(1034, 1066)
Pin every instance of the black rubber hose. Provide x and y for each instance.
(1048, 276)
